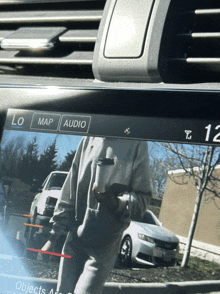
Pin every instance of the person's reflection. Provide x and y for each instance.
(107, 186)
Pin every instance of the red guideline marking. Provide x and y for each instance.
(28, 215)
(47, 252)
(30, 225)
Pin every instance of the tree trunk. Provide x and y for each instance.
(192, 229)
(205, 173)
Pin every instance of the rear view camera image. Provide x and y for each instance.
(65, 196)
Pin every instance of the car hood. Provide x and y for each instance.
(51, 193)
(156, 232)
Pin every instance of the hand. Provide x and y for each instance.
(110, 200)
(47, 246)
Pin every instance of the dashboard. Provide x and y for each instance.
(153, 64)
(160, 63)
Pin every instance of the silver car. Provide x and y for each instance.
(148, 243)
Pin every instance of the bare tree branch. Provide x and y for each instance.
(198, 163)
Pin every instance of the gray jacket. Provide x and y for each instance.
(78, 206)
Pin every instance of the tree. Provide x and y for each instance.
(47, 162)
(10, 157)
(158, 171)
(28, 164)
(160, 163)
(198, 163)
(66, 164)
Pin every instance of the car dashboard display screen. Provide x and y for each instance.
(93, 176)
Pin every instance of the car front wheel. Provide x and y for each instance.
(125, 251)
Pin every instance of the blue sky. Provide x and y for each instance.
(64, 143)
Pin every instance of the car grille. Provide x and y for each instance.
(51, 201)
(166, 245)
(160, 260)
(50, 205)
(144, 257)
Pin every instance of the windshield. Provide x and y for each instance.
(148, 218)
(56, 181)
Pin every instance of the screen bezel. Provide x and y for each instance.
(132, 103)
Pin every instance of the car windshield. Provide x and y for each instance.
(56, 181)
(149, 219)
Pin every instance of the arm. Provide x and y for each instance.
(63, 217)
(136, 201)
(130, 202)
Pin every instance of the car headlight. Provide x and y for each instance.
(145, 238)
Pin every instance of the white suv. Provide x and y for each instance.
(45, 201)
(42, 209)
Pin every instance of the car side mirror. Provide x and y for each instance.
(35, 189)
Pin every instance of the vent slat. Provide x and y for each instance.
(207, 11)
(205, 35)
(49, 16)
(197, 60)
(75, 58)
(204, 61)
(12, 2)
(4, 34)
(211, 65)
(200, 35)
(84, 36)
(71, 36)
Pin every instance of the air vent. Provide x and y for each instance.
(191, 39)
(67, 51)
